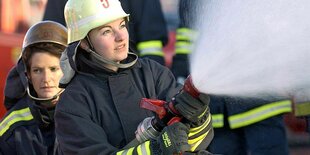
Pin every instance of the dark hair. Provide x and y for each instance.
(51, 48)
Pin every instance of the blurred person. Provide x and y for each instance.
(99, 112)
(241, 125)
(249, 125)
(147, 26)
(186, 33)
(32, 92)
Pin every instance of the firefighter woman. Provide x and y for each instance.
(148, 29)
(99, 111)
(28, 127)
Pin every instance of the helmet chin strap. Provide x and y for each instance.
(101, 59)
(46, 102)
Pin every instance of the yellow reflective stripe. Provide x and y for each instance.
(217, 120)
(139, 150)
(183, 47)
(202, 114)
(186, 34)
(260, 113)
(144, 149)
(130, 151)
(194, 143)
(153, 47)
(194, 131)
(302, 109)
(120, 152)
(126, 152)
(13, 117)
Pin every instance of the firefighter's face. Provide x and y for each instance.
(44, 74)
(111, 40)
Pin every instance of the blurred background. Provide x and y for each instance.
(16, 16)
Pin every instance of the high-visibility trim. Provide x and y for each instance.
(217, 120)
(144, 149)
(186, 34)
(183, 47)
(126, 152)
(194, 131)
(260, 113)
(203, 113)
(302, 109)
(14, 117)
(153, 47)
(194, 143)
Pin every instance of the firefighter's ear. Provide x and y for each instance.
(84, 45)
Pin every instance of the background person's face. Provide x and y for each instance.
(111, 40)
(45, 73)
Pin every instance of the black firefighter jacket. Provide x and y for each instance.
(99, 111)
(27, 129)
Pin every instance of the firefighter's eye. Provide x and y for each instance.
(36, 70)
(106, 32)
(54, 69)
(123, 24)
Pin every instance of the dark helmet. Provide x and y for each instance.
(46, 32)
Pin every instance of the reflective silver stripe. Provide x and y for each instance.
(151, 51)
(186, 34)
(183, 47)
(260, 113)
(152, 47)
(13, 117)
(217, 120)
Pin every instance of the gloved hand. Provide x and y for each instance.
(157, 58)
(172, 140)
(193, 109)
(180, 67)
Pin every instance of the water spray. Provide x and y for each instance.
(257, 48)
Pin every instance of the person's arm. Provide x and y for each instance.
(186, 35)
(20, 133)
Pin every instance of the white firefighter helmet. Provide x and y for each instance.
(84, 15)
